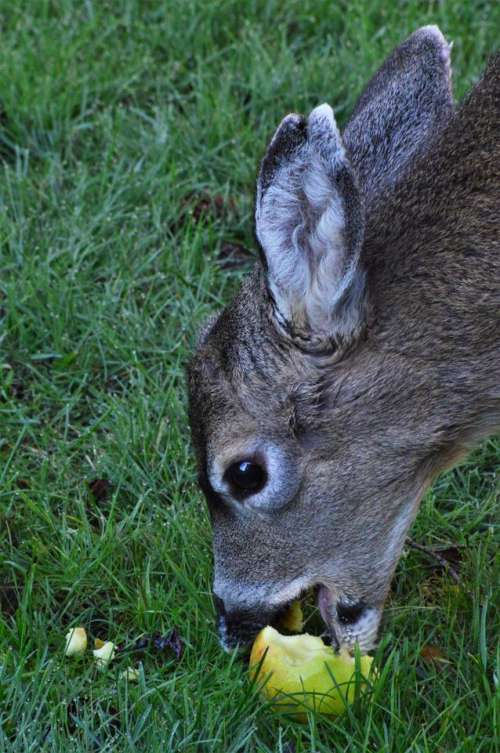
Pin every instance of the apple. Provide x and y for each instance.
(130, 674)
(76, 642)
(303, 674)
(103, 653)
(293, 619)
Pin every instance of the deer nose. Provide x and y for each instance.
(239, 627)
(348, 613)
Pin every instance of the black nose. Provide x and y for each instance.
(239, 627)
(347, 614)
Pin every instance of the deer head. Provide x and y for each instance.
(344, 375)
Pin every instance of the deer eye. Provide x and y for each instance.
(246, 477)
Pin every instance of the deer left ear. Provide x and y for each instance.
(310, 222)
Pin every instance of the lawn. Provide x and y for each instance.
(130, 134)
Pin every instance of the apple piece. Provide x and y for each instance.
(104, 655)
(293, 619)
(303, 674)
(76, 642)
(130, 674)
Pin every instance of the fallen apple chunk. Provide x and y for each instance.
(303, 674)
(76, 642)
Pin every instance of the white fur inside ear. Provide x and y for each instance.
(301, 225)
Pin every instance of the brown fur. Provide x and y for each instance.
(365, 426)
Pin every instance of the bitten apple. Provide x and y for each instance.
(303, 674)
(293, 619)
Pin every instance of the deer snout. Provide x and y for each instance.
(239, 627)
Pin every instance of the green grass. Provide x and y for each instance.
(114, 118)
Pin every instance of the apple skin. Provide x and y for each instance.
(299, 670)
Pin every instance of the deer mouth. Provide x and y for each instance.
(314, 600)
(339, 622)
(348, 621)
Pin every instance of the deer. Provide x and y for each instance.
(360, 357)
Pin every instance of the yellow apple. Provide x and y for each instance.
(293, 619)
(76, 642)
(303, 674)
(130, 674)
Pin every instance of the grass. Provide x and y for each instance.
(115, 117)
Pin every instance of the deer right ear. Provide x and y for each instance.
(310, 222)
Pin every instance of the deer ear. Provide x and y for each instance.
(309, 222)
(401, 110)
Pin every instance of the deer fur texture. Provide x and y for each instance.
(361, 357)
